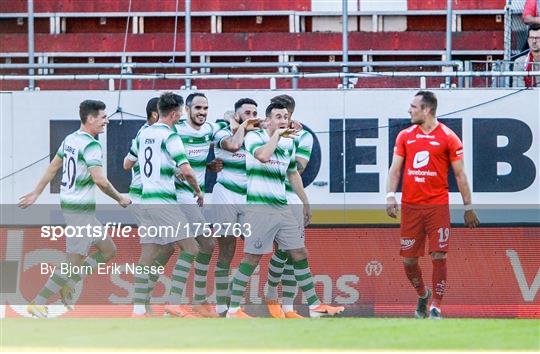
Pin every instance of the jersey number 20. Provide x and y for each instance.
(70, 172)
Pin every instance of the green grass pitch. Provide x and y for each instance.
(335, 334)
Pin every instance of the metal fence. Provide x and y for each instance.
(515, 31)
(466, 74)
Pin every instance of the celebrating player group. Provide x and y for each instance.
(259, 163)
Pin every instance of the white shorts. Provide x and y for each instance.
(139, 214)
(268, 224)
(81, 245)
(194, 213)
(227, 208)
(161, 224)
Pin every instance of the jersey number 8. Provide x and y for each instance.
(147, 167)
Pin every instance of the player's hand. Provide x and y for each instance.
(251, 124)
(471, 220)
(230, 115)
(216, 165)
(124, 201)
(180, 176)
(233, 119)
(392, 207)
(262, 123)
(307, 215)
(287, 133)
(28, 199)
(296, 125)
(200, 198)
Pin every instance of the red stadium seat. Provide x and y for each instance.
(87, 34)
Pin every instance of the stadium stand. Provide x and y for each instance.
(283, 31)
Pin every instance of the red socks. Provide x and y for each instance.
(415, 277)
(439, 281)
(414, 273)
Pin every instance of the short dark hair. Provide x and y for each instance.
(169, 102)
(189, 99)
(242, 102)
(274, 105)
(428, 100)
(286, 100)
(151, 107)
(90, 107)
(533, 27)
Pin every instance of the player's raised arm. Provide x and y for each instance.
(394, 175)
(242, 120)
(265, 152)
(106, 187)
(471, 220)
(30, 198)
(278, 115)
(235, 142)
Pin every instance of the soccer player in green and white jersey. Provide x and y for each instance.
(197, 135)
(160, 154)
(280, 265)
(135, 194)
(130, 161)
(80, 155)
(270, 159)
(229, 194)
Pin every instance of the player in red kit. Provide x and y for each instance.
(424, 153)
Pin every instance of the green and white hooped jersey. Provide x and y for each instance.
(159, 151)
(233, 176)
(79, 151)
(266, 181)
(304, 145)
(197, 146)
(135, 188)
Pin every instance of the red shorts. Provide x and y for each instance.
(419, 222)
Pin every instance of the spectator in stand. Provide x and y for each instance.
(529, 61)
(530, 12)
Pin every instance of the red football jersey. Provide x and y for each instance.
(427, 159)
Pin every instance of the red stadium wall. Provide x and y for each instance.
(421, 40)
(154, 6)
(492, 272)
